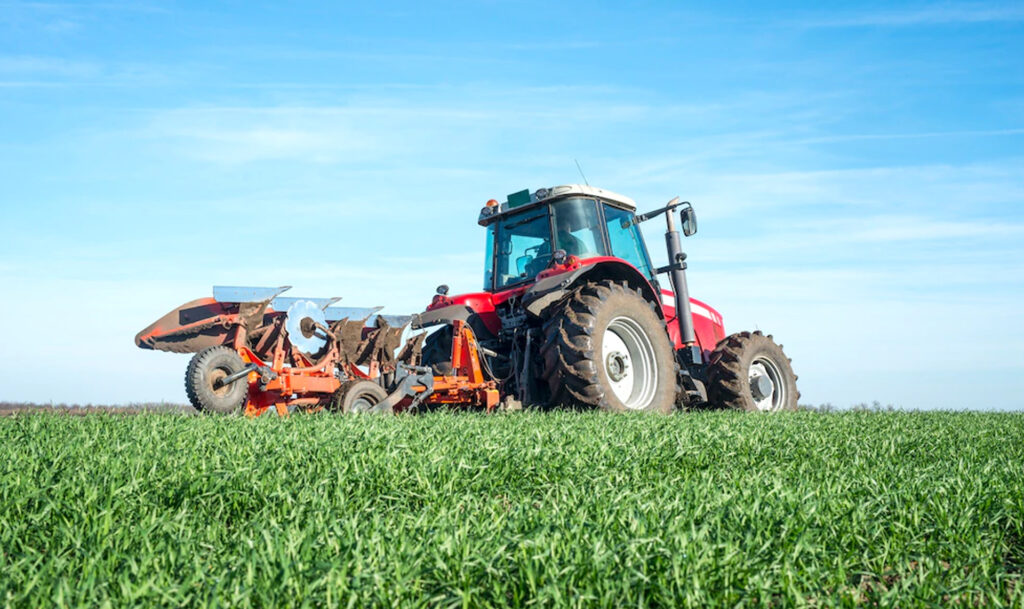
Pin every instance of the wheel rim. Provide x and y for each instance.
(629, 363)
(766, 385)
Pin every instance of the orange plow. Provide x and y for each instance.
(256, 351)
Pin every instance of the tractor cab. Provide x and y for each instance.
(527, 232)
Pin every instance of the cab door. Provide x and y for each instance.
(625, 240)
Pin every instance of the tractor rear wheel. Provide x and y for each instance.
(202, 381)
(605, 347)
(361, 396)
(748, 371)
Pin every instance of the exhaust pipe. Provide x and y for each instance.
(677, 277)
(676, 268)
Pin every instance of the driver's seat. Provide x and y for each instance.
(572, 244)
(540, 261)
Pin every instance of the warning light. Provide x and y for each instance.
(492, 203)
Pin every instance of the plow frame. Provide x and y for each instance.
(313, 386)
(283, 378)
(468, 385)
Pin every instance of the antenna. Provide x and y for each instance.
(581, 172)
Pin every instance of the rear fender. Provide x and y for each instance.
(552, 288)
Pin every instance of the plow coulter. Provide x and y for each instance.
(257, 351)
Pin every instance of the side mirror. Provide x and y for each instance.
(689, 220)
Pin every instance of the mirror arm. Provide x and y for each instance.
(637, 219)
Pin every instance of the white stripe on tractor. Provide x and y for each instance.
(699, 310)
(669, 299)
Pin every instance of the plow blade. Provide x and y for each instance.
(192, 327)
(208, 322)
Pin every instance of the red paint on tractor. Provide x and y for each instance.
(707, 323)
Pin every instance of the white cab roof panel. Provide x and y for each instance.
(590, 191)
(525, 199)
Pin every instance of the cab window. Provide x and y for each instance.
(523, 247)
(625, 241)
(489, 259)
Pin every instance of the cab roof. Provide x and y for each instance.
(524, 199)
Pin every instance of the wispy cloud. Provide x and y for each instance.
(325, 134)
(55, 20)
(528, 121)
(242, 145)
(553, 45)
(51, 66)
(882, 243)
(933, 15)
(46, 71)
(909, 136)
(28, 84)
(872, 190)
(145, 7)
(889, 229)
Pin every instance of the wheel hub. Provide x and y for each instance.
(215, 378)
(761, 386)
(766, 385)
(617, 364)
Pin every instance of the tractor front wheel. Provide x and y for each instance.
(203, 383)
(748, 371)
(605, 347)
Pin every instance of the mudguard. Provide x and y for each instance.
(551, 289)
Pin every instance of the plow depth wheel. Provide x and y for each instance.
(361, 397)
(203, 381)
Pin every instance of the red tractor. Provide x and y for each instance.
(572, 314)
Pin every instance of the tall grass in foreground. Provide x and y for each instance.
(513, 510)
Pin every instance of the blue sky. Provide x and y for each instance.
(857, 169)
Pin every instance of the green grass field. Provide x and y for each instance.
(802, 509)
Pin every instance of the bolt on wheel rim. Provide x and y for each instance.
(629, 363)
(766, 385)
